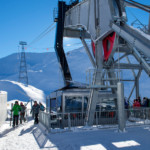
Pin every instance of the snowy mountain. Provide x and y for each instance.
(45, 75)
(43, 72)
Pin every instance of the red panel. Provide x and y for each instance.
(93, 47)
(108, 44)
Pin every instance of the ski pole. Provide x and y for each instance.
(11, 113)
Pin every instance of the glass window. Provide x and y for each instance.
(73, 104)
(53, 104)
(59, 104)
(85, 103)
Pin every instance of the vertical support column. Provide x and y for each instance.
(149, 24)
(137, 86)
(96, 81)
(49, 121)
(62, 7)
(120, 102)
(137, 83)
(91, 107)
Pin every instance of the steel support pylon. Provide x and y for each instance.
(23, 76)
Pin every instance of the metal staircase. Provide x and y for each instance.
(147, 59)
(142, 59)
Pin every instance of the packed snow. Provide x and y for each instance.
(34, 137)
(32, 92)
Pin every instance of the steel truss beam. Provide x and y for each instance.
(126, 66)
(88, 52)
(134, 38)
(76, 33)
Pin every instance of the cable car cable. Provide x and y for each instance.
(41, 34)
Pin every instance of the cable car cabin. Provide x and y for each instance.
(68, 100)
(73, 101)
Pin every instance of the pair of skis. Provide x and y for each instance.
(11, 113)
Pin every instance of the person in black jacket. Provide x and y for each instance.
(35, 109)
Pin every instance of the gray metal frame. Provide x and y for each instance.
(86, 20)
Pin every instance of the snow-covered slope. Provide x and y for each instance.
(29, 91)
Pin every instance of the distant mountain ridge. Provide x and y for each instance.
(44, 73)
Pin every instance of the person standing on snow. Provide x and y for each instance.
(35, 109)
(22, 113)
(16, 108)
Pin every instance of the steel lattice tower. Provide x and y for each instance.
(23, 76)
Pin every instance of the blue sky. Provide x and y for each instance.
(24, 20)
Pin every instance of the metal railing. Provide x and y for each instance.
(107, 117)
(44, 118)
(104, 76)
(74, 119)
(137, 116)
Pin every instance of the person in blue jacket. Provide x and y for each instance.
(42, 108)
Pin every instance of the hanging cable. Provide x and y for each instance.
(118, 59)
(147, 9)
(45, 48)
(140, 23)
(42, 34)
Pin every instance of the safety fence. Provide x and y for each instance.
(44, 118)
(105, 118)
(137, 116)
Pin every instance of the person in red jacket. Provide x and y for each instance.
(136, 104)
